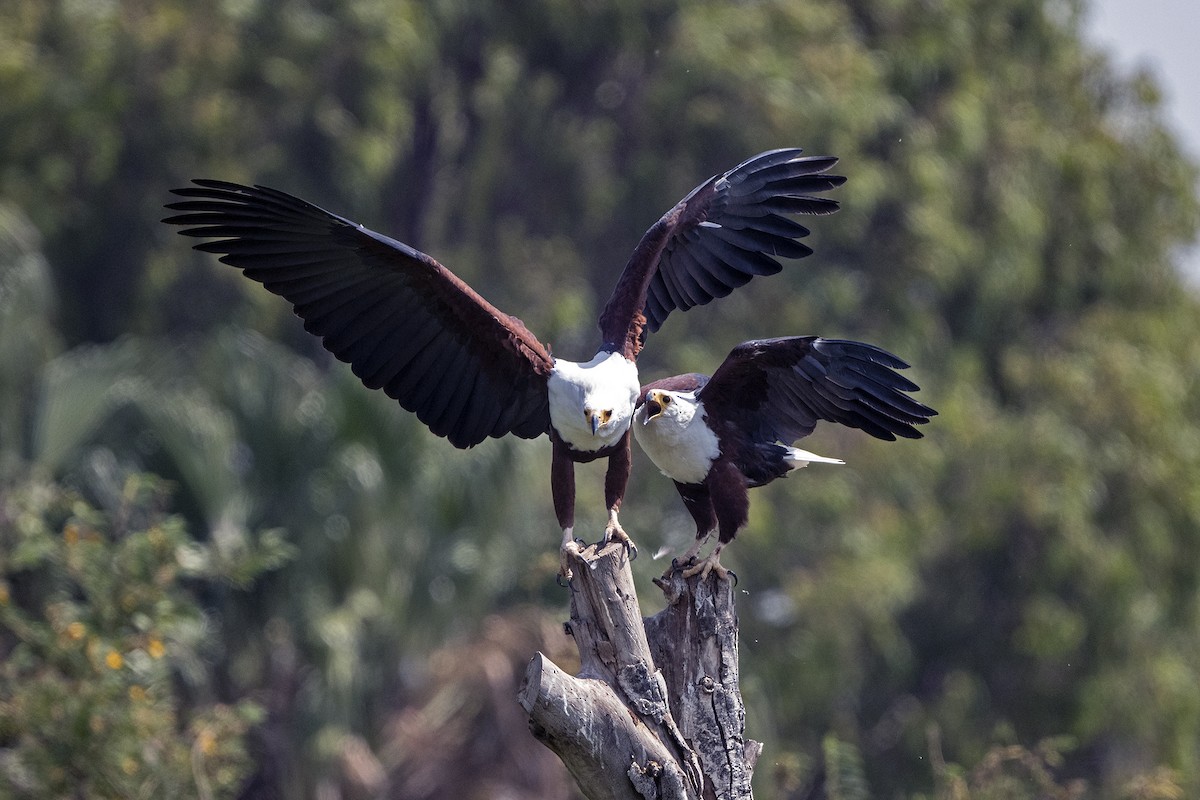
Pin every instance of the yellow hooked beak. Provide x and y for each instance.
(596, 418)
(656, 404)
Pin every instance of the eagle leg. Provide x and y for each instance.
(616, 478)
(562, 489)
(569, 550)
(689, 556)
(729, 503)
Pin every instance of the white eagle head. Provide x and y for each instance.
(591, 404)
(607, 413)
(665, 407)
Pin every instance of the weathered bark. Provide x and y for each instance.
(694, 641)
(626, 728)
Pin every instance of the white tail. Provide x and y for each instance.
(802, 458)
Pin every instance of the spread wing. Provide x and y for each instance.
(403, 322)
(727, 230)
(778, 389)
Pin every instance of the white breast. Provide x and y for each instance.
(681, 445)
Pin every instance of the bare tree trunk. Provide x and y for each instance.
(626, 728)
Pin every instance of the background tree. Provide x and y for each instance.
(97, 626)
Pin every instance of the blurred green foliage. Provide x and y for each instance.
(1025, 573)
(97, 620)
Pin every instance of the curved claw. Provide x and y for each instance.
(732, 576)
(679, 565)
(613, 531)
(711, 564)
(683, 563)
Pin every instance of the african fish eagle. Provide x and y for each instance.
(719, 437)
(409, 326)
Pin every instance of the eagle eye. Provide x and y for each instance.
(666, 399)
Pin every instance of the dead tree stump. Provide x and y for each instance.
(655, 711)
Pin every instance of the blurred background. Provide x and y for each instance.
(229, 570)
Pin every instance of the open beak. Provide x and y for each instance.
(653, 408)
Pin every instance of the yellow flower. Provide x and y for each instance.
(137, 693)
(129, 765)
(206, 742)
(76, 630)
(114, 660)
(155, 648)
